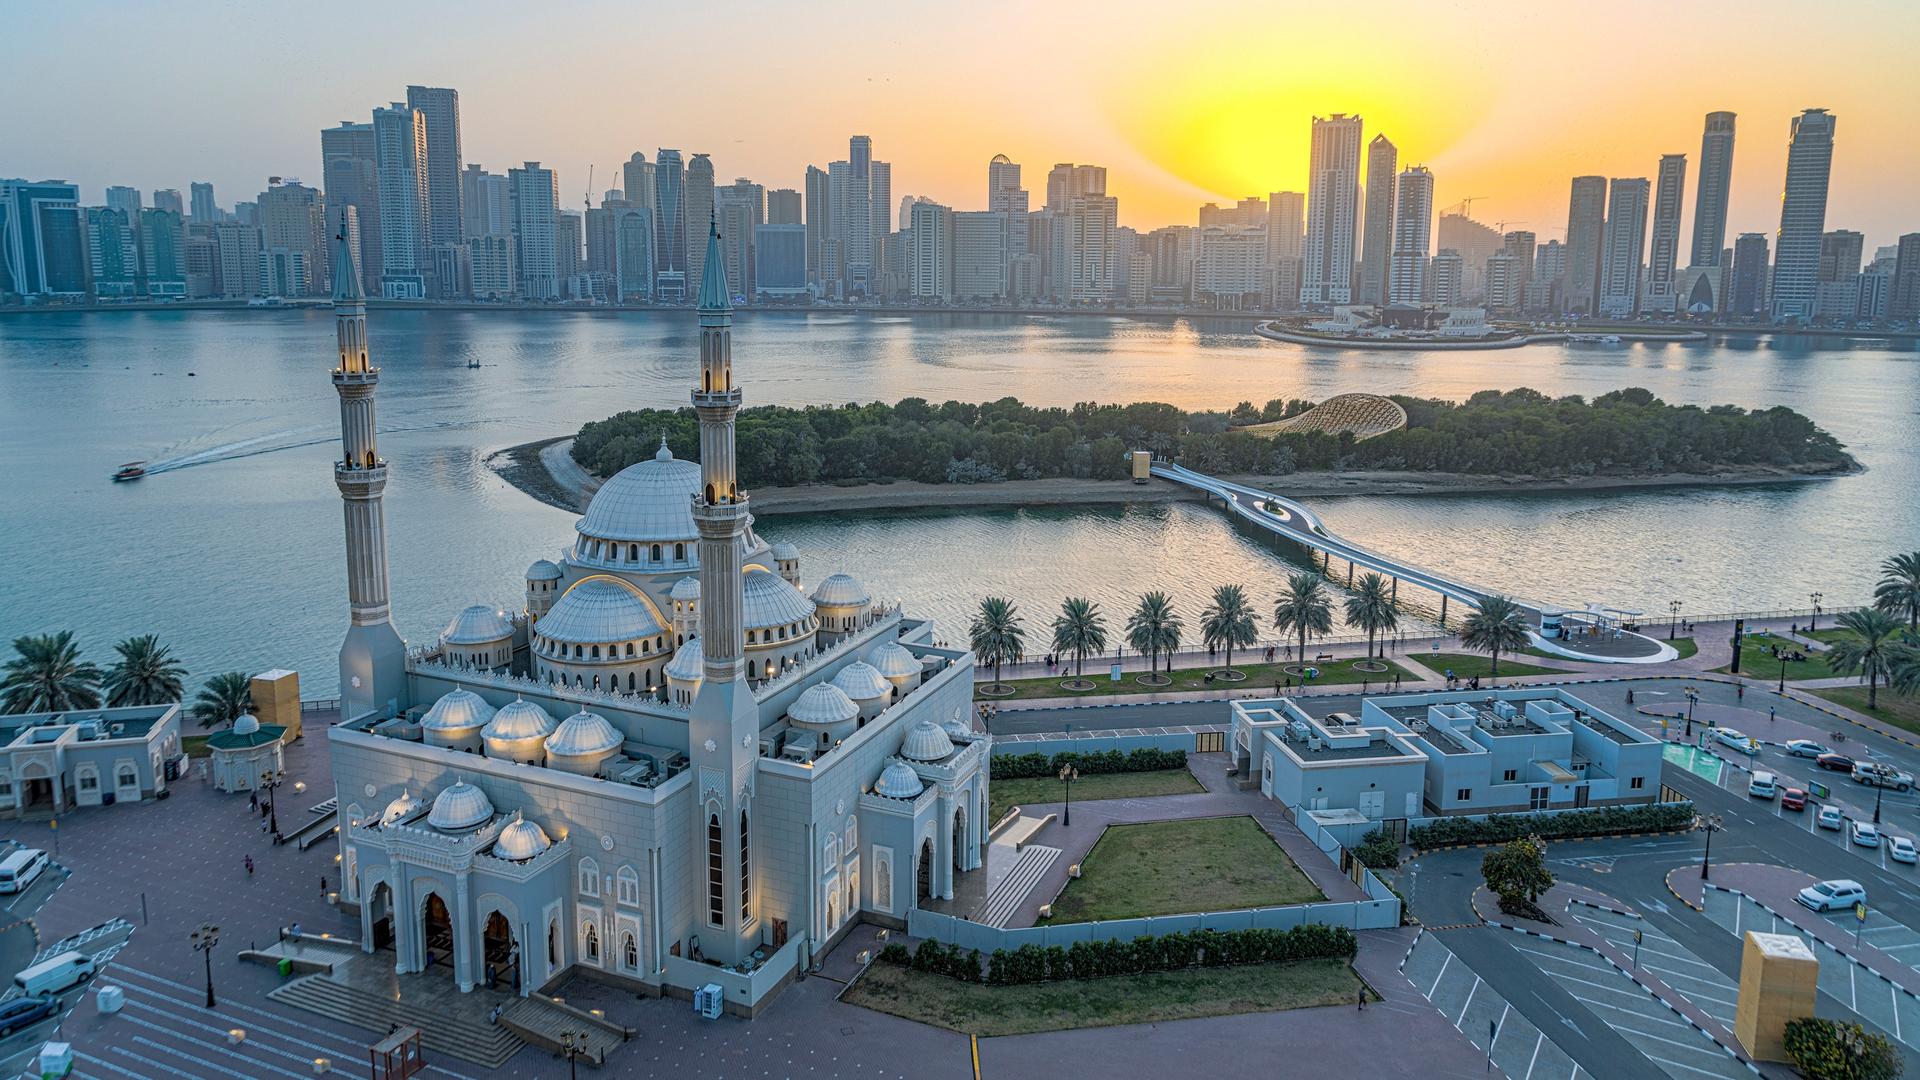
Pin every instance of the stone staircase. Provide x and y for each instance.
(541, 1021)
(472, 1040)
(1006, 897)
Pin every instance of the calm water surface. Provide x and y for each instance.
(232, 548)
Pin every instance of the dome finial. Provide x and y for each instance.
(663, 454)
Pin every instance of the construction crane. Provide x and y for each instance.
(1465, 206)
(1501, 226)
(588, 197)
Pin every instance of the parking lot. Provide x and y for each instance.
(1706, 986)
(1896, 939)
(102, 943)
(1520, 1049)
(1677, 1047)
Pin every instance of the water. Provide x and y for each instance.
(232, 549)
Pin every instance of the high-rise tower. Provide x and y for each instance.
(1412, 232)
(1710, 198)
(1803, 216)
(1383, 160)
(1586, 229)
(373, 658)
(1661, 288)
(724, 727)
(1333, 193)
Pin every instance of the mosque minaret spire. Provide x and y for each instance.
(373, 657)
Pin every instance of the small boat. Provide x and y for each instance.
(473, 365)
(132, 470)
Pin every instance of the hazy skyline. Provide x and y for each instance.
(1183, 104)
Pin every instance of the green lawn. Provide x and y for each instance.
(1335, 672)
(1030, 790)
(1467, 665)
(196, 745)
(1172, 867)
(1757, 660)
(979, 1009)
(1901, 712)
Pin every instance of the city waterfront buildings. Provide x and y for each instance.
(1586, 244)
(534, 194)
(1660, 293)
(1903, 300)
(1751, 275)
(1837, 292)
(350, 176)
(1382, 226)
(1333, 194)
(1803, 217)
(1625, 246)
(439, 108)
(400, 148)
(1412, 232)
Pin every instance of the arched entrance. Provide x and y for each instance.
(553, 945)
(924, 890)
(436, 933)
(960, 838)
(500, 954)
(380, 911)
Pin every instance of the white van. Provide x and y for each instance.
(1763, 785)
(56, 973)
(18, 870)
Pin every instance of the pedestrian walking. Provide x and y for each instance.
(323, 884)
(1740, 691)
(249, 861)
(1769, 714)
(253, 800)
(1362, 999)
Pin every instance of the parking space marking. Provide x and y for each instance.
(1512, 1051)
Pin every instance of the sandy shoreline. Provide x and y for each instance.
(526, 467)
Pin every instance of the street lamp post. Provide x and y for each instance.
(1673, 606)
(573, 1044)
(1068, 774)
(1878, 790)
(204, 939)
(1782, 688)
(1710, 824)
(1693, 696)
(1814, 622)
(268, 783)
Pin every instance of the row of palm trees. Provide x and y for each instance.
(1883, 642)
(47, 674)
(1305, 608)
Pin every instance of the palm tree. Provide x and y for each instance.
(1871, 649)
(1304, 608)
(1371, 608)
(1498, 625)
(997, 634)
(47, 675)
(1154, 628)
(223, 699)
(1228, 622)
(1898, 593)
(145, 674)
(1079, 629)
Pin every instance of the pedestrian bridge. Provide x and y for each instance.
(1287, 518)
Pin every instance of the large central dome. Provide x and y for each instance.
(646, 502)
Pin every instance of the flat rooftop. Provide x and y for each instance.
(1375, 747)
(1595, 724)
(131, 722)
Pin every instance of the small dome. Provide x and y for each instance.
(402, 805)
(957, 728)
(459, 808)
(893, 661)
(785, 552)
(521, 840)
(517, 720)
(687, 663)
(649, 501)
(770, 600)
(861, 682)
(584, 734)
(477, 625)
(687, 588)
(898, 781)
(543, 570)
(840, 590)
(823, 705)
(598, 610)
(926, 742)
(459, 709)
(246, 724)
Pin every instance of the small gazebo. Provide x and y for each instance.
(244, 753)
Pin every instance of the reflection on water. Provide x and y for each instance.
(233, 550)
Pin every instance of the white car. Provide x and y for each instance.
(1805, 748)
(1878, 775)
(1829, 817)
(1866, 834)
(1733, 737)
(1832, 895)
(1901, 849)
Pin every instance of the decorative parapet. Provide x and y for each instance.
(420, 662)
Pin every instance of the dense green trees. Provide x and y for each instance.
(1517, 432)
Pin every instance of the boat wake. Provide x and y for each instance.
(186, 456)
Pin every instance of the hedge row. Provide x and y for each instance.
(1378, 851)
(1100, 959)
(1599, 821)
(1145, 759)
(1824, 1049)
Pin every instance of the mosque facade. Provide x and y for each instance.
(670, 763)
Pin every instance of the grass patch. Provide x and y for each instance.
(986, 1011)
(1901, 712)
(1334, 672)
(1757, 660)
(1467, 665)
(1172, 867)
(195, 745)
(1030, 790)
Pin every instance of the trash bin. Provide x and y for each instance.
(110, 999)
(286, 966)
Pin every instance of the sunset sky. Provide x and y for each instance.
(1183, 102)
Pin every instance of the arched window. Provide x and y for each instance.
(746, 873)
(589, 878)
(853, 836)
(593, 944)
(679, 552)
(629, 953)
(630, 682)
(716, 859)
(627, 886)
(553, 944)
(629, 648)
(633, 552)
(656, 553)
(595, 652)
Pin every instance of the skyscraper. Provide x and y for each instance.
(785, 207)
(350, 176)
(1006, 197)
(1548, 278)
(700, 212)
(1381, 225)
(818, 194)
(1586, 228)
(1710, 197)
(293, 221)
(43, 249)
(169, 199)
(1669, 192)
(1903, 301)
(535, 193)
(1286, 239)
(1412, 232)
(670, 227)
(1803, 216)
(127, 200)
(400, 148)
(163, 251)
(1748, 295)
(441, 109)
(1626, 243)
(113, 256)
(931, 228)
(204, 210)
(1333, 192)
(485, 202)
(980, 253)
(1837, 295)
(636, 180)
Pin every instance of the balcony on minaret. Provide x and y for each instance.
(717, 399)
(361, 480)
(343, 377)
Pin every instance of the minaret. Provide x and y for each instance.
(724, 729)
(373, 658)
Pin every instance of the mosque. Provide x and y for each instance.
(673, 766)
